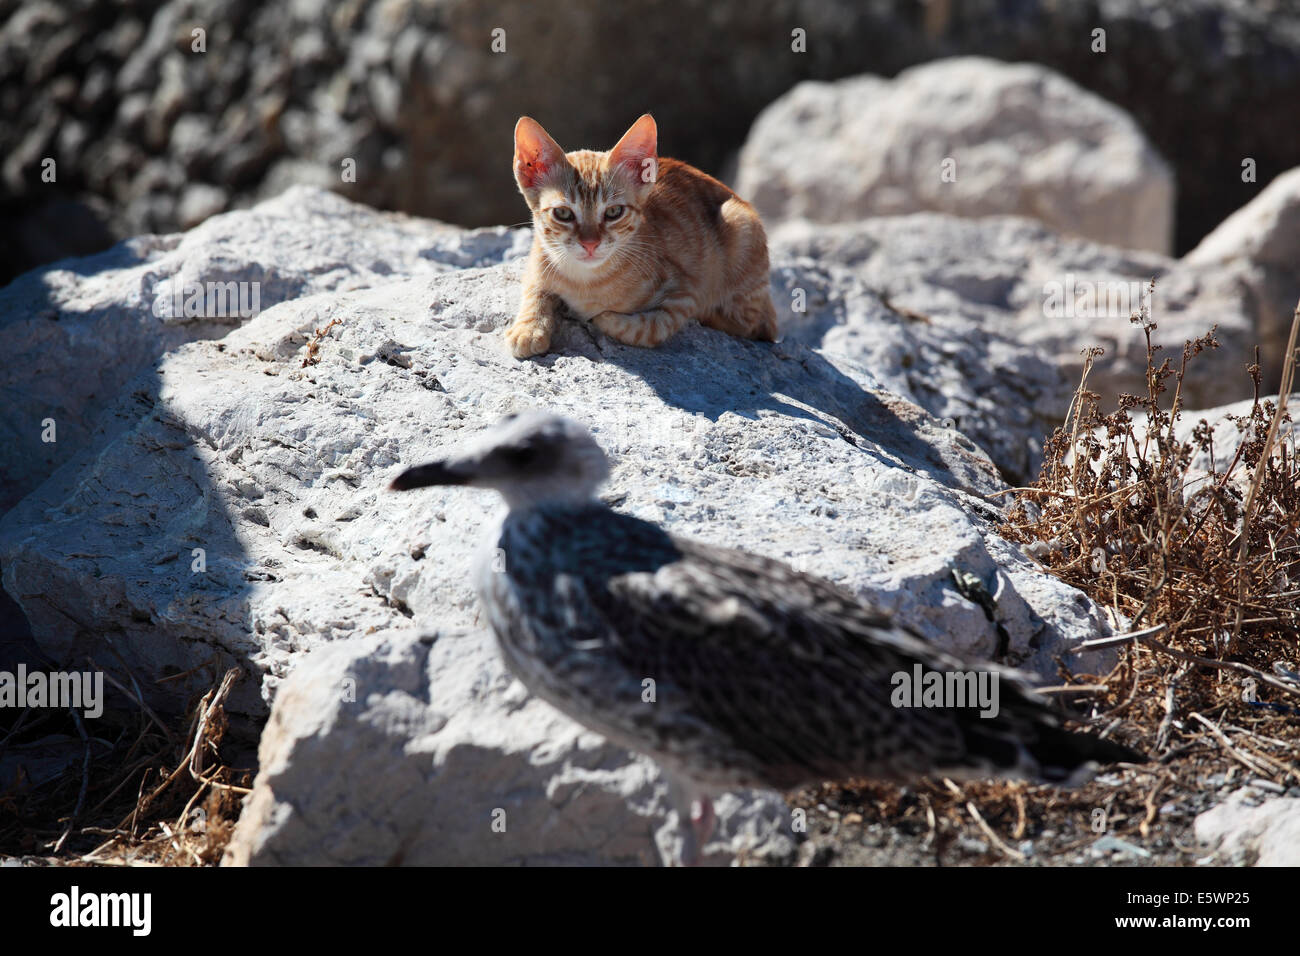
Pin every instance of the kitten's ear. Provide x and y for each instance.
(537, 156)
(637, 151)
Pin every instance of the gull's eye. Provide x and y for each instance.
(562, 213)
(614, 212)
(528, 456)
(521, 456)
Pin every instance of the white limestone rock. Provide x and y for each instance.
(1018, 288)
(474, 771)
(1254, 254)
(229, 508)
(1243, 831)
(234, 505)
(75, 332)
(1016, 139)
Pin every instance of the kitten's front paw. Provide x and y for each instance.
(617, 325)
(645, 330)
(527, 339)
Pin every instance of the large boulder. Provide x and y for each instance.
(233, 504)
(1254, 255)
(76, 332)
(944, 352)
(967, 136)
(1021, 282)
(228, 508)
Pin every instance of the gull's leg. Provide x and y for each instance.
(703, 819)
(695, 822)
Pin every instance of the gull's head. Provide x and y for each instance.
(531, 458)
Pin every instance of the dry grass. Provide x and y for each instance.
(1202, 568)
(313, 347)
(1205, 565)
(142, 794)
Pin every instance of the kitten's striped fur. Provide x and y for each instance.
(636, 244)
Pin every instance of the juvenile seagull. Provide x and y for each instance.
(763, 676)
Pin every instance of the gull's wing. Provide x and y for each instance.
(777, 676)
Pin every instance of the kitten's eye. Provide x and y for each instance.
(562, 213)
(613, 212)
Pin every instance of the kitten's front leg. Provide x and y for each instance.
(649, 328)
(530, 333)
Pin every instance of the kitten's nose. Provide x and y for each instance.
(590, 245)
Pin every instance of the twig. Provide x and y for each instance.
(1232, 751)
(135, 698)
(1272, 740)
(207, 706)
(1120, 708)
(1145, 826)
(1018, 792)
(1066, 690)
(997, 841)
(211, 703)
(193, 670)
(1167, 724)
(929, 819)
(1116, 640)
(1284, 390)
(85, 779)
(18, 725)
(1224, 665)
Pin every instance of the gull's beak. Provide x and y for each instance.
(436, 473)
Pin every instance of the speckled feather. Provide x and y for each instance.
(763, 676)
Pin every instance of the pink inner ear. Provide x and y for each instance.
(633, 160)
(637, 145)
(536, 154)
(531, 166)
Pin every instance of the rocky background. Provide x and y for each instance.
(150, 136)
(925, 354)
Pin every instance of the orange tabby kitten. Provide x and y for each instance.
(636, 244)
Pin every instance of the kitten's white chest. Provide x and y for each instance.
(586, 306)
